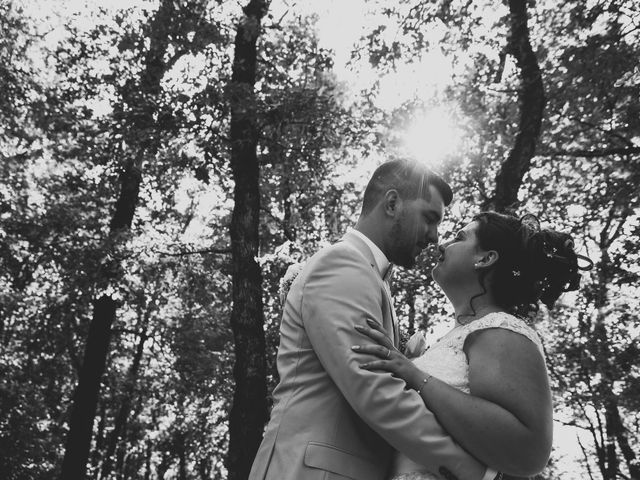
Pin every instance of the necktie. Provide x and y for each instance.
(388, 274)
(386, 279)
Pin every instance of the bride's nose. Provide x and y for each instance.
(442, 246)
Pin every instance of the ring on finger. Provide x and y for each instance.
(388, 354)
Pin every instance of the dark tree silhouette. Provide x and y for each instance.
(531, 101)
(249, 411)
(140, 98)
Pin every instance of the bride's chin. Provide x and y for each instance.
(435, 273)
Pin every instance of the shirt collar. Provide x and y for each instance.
(383, 264)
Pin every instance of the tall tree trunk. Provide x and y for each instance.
(120, 424)
(104, 308)
(531, 100)
(121, 453)
(147, 461)
(249, 411)
(615, 431)
(620, 432)
(179, 449)
(611, 470)
(99, 438)
(288, 227)
(204, 468)
(164, 465)
(86, 396)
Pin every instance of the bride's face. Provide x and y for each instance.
(455, 266)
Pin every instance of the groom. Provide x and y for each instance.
(332, 420)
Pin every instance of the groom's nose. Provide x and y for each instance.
(432, 235)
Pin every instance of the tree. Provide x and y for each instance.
(119, 88)
(580, 180)
(139, 109)
(531, 102)
(594, 347)
(249, 410)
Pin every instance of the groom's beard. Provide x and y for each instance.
(404, 244)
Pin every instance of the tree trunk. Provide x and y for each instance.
(611, 469)
(147, 461)
(104, 308)
(181, 450)
(129, 388)
(164, 466)
(620, 433)
(288, 227)
(100, 438)
(601, 445)
(121, 453)
(86, 396)
(204, 468)
(531, 100)
(615, 431)
(249, 411)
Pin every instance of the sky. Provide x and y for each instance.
(341, 24)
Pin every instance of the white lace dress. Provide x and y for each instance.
(446, 360)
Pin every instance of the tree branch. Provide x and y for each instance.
(217, 251)
(593, 153)
(571, 424)
(607, 131)
(586, 457)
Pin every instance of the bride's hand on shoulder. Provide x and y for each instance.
(387, 358)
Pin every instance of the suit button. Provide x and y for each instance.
(446, 473)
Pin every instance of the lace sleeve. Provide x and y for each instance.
(509, 322)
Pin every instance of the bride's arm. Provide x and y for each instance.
(506, 422)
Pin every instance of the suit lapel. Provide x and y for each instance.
(394, 319)
(366, 252)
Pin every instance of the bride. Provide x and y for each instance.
(486, 380)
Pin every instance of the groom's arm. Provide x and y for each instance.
(337, 295)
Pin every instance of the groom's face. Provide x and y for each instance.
(415, 227)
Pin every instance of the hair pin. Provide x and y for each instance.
(589, 264)
(531, 222)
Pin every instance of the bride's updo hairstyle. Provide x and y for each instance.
(534, 265)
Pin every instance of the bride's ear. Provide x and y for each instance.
(487, 259)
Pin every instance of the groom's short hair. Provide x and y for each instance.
(411, 179)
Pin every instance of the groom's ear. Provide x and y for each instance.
(392, 202)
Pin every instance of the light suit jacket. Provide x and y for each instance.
(332, 420)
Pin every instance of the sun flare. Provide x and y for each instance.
(431, 136)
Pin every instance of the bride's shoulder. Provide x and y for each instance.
(505, 321)
(497, 319)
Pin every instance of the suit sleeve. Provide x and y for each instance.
(337, 295)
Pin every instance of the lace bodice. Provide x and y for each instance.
(445, 359)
